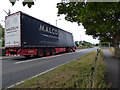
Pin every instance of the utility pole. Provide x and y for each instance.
(109, 44)
(57, 20)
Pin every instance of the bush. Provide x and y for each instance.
(2, 52)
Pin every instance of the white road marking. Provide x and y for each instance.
(77, 51)
(41, 58)
(81, 50)
(38, 74)
(44, 71)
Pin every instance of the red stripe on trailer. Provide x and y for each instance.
(29, 51)
(12, 15)
(60, 49)
(12, 46)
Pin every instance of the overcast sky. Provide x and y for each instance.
(46, 10)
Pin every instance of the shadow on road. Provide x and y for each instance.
(20, 58)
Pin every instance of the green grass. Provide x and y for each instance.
(0, 44)
(100, 70)
(111, 50)
(75, 74)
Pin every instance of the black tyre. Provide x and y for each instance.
(47, 51)
(40, 52)
(53, 52)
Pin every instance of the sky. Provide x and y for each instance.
(46, 10)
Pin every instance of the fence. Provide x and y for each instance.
(93, 69)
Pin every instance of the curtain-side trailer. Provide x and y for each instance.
(26, 35)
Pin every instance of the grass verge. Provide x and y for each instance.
(0, 44)
(111, 50)
(76, 74)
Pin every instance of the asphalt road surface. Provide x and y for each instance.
(112, 65)
(15, 70)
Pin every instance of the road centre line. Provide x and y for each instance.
(81, 50)
(41, 58)
(49, 57)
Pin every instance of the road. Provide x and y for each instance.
(19, 69)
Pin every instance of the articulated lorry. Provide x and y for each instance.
(26, 35)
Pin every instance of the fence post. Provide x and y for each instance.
(91, 80)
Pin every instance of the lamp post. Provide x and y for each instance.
(57, 20)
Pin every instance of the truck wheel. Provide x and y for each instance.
(73, 49)
(68, 50)
(53, 51)
(47, 52)
(40, 53)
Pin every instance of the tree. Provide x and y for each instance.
(8, 13)
(76, 42)
(100, 19)
(2, 35)
(0, 31)
(3, 39)
(29, 3)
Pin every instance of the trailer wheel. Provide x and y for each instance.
(53, 51)
(40, 52)
(47, 51)
(68, 50)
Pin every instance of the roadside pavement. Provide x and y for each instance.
(113, 69)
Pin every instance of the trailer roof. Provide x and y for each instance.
(36, 19)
